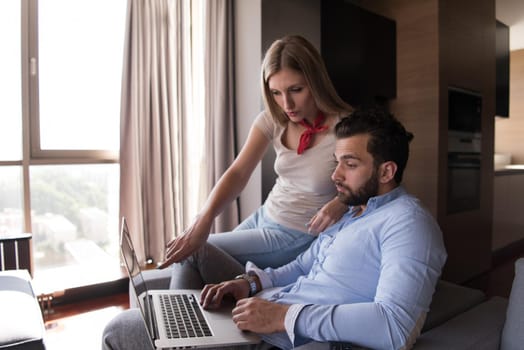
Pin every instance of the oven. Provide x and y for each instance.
(464, 146)
(463, 182)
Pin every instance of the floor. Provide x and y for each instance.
(80, 326)
(83, 331)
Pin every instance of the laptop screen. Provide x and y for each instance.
(135, 275)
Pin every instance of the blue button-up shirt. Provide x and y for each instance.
(367, 279)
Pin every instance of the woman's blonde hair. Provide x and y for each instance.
(295, 52)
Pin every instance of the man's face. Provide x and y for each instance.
(355, 176)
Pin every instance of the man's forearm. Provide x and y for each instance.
(352, 323)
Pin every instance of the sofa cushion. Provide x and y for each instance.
(513, 332)
(448, 301)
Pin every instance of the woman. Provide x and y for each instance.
(301, 110)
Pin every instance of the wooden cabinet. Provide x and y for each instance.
(502, 53)
(508, 201)
(359, 50)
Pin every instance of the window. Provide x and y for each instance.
(10, 84)
(80, 73)
(11, 201)
(59, 173)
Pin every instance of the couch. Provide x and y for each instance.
(497, 323)
(459, 317)
(21, 322)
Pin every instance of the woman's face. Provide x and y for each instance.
(291, 92)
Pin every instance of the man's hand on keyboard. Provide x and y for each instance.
(213, 294)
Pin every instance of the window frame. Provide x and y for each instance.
(30, 73)
(32, 154)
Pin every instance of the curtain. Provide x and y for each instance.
(219, 106)
(158, 104)
(149, 126)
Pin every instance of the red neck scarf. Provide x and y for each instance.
(307, 135)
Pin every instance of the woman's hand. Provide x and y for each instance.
(330, 213)
(191, 239)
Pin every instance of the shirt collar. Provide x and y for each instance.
(378, 201)
(373, 204)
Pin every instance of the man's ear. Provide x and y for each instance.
(387, 171)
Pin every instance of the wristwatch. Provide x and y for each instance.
(250, 278)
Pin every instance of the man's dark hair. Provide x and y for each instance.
(388, 141)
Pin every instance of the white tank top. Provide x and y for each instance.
(303, 183)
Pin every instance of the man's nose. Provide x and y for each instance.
(335, 176)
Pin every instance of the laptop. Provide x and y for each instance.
(174, 318)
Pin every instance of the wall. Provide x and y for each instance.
(417, 104)
(277, 22)
(509, 131)
(248, 102)
(257, 24)
(281, 18)
(508, 221)
(467, 54)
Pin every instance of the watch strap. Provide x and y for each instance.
(250, 278)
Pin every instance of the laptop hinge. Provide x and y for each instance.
(150, 315)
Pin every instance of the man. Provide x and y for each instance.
(369, 278)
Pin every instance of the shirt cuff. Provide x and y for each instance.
(265, 281)
(291, 317)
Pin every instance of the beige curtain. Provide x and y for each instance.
(156, 106)
(219, 106)
(150, 126)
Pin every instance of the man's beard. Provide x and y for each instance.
(362, 195)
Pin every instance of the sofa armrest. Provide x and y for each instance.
(479, 328)
(513, 333)
(450, 300)
(21, 323)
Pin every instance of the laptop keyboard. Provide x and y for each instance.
(183, 317)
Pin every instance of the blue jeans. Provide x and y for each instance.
(262, 241)
(257, 239)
